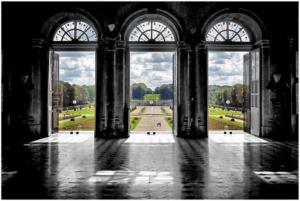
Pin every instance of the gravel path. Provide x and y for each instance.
(150, 119)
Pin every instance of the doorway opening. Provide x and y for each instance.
(151, 92)
(227, 91)
(72, 92)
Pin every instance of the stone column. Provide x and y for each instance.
(120, 110)
(111, 121)
(37, 116)
(201, 87)
(101, 87)
(265, 94)
(183, 91)
(293, 97)
(126, 80)
(105, 89)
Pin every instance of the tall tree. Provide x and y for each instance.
(138, 90)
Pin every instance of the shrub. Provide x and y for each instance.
(221, 117)
(232, 119)
(72, 119)
(83, 116)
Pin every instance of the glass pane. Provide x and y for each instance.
(66, 38)
(148, 34)
(79, 29)
(236, 33)
(151, 30)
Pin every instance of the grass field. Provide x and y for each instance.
(83, 119)
(152, 97)
(83, 111)
(220, 111)
(134, 121)
(216, 123)
(79, 123)
(87, 123)
(169, 120)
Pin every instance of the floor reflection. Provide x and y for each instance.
(153, 167)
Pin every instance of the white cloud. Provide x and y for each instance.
(151, 68)
(77, 67)
(225, 68)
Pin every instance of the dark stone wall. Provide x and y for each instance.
(22, 23)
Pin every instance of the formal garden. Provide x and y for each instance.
(220, 117)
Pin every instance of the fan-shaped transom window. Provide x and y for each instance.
(150, 31)
(227, 31)
(74, 31)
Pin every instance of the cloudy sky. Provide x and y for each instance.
(225, 68)
(151, 68)
(77, 67)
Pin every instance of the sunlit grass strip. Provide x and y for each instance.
(169, 121)
(134, 121)
(233, 125)
(78, 123)
(83, 111)
(220, 111)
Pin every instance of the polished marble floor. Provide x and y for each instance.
(237, 166)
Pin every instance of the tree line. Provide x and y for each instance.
(138, 90)
(218, 95)
(82, 94)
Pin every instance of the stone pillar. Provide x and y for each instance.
(101, 87)
(183, 91)
(201, 87)
(105, 89)
(126, 80)
(111, 95)
(37, 116)
(120, 110)
(265, 95)
(293, 124)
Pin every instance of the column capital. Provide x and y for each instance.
(39, 43)
(263, 43)
(183, 45)
(201, 46)
(120, 44)
(107, 43)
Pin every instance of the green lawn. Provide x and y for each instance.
(169, 121)
(83, 111)
(152, 97)
(134, 121)
(216, 123)
(220, 111)
(79, 123)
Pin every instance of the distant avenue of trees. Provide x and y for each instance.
(217, 95)
(138, 90)
(82, 94)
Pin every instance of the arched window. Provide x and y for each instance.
(148, 31)
(227, 31)
(74, 31)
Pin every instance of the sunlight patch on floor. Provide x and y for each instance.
(235, 138)
(132, 177)
(150, 139)
(64, 138)
(278, 177)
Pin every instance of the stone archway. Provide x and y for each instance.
(259, 43)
